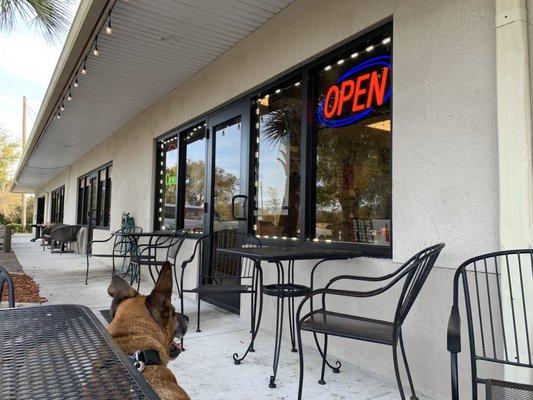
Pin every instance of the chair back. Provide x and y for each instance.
(5, 279)
(217, 267)
(416, 270)
(498, 294)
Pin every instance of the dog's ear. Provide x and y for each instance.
(159, 301)
(119, 290)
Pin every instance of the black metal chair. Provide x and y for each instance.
(146, 254)
(498, 297)
(326, 322)
(220, 273)
(5, 279)
(122, 247)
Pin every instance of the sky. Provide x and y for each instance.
(27, 62)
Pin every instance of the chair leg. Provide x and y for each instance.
(87, 270)
(301, 354)
(404, 356)
(198, 315)
(181, 305)
(324, 358)
(397, 370)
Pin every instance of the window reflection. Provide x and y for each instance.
(278, 160)
(227, 173)
(193, 214)
(353, 164)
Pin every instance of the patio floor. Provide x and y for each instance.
(206, 369)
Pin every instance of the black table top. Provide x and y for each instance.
(144, 234)
(63, 352)
(286, 253)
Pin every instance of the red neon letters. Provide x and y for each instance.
(362, 92)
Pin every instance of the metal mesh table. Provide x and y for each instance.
(63, 352)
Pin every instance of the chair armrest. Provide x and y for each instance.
(191, 258)
(454, 331)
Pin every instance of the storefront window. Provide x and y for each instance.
(353, 146)
(58, 204)
(94, 197)
(194, 141)
(166, 201)
(278, 161)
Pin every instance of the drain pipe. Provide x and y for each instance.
(514, 148)
(514, 125)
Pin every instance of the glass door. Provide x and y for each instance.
(228, 205)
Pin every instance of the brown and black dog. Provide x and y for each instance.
(149, 323)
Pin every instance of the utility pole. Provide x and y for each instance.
(23, 217)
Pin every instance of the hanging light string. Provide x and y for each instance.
(96, 52)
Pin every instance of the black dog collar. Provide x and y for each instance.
(142, 358)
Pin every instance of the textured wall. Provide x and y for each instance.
(444, 147)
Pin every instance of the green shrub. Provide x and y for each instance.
(15, 228)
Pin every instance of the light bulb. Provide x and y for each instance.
(76, 84)
(96, 52)
(69, 98)
(108, 29)
(62, 107)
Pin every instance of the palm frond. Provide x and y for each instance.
(51, 17)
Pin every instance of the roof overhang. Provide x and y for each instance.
(155, 46)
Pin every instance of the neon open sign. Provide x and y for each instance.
(355, 94)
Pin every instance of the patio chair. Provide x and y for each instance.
(147, 255)
(47, 230)
(5, 279)
(64, 236)
(121, 247)
(330, 323)
(498, 297)
(220, 273)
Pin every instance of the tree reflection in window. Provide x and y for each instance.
(278, 161)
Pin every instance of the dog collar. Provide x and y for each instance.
(142, 358)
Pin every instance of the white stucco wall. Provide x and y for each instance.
(444, 150)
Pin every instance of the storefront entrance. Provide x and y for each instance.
(228, 186)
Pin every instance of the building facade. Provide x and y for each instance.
(373, 124)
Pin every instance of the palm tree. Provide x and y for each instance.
(52, 17)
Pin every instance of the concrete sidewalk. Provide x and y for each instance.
(206, 370)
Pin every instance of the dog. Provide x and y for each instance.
(149, 323)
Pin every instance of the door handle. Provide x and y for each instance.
(238, 196)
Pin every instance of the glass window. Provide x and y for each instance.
(167, 178)
(194, 144)
(278, 161)
(94, 198)
(353, 145)
(57, 202)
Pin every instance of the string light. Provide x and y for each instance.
(62, 106)
(369, 49)
(340, 62)
(354, 55)
(96, 52)
(84, 68)
(69, 98)
(108, 29)
(386, 40)
(327, 68)
(76, 84)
